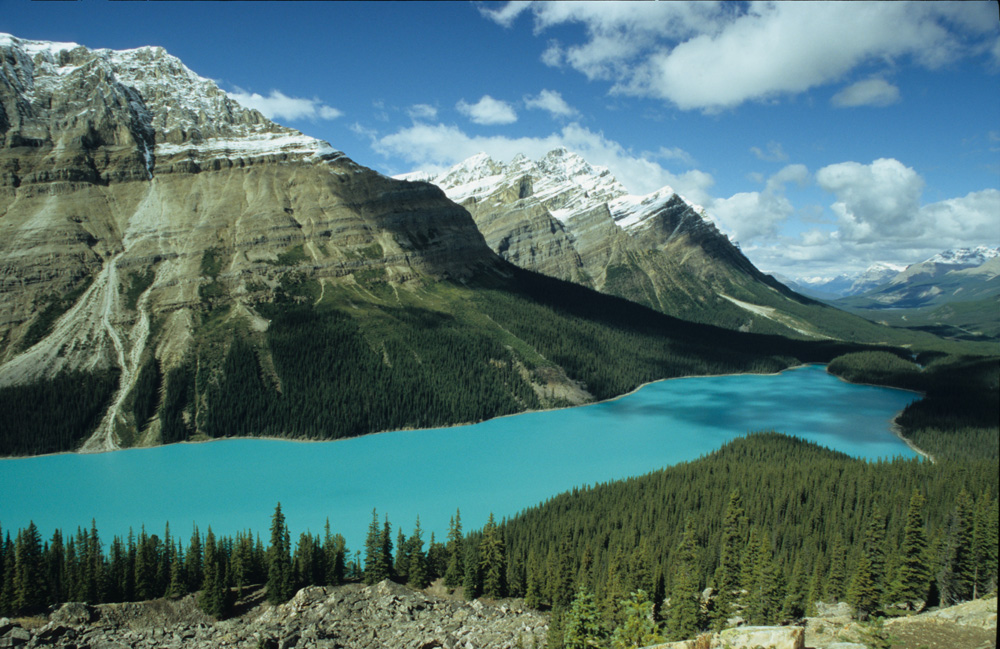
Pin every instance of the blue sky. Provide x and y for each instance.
(821, 136)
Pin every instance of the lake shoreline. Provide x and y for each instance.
(894, 427)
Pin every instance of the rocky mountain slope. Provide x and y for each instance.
(174, 266)
(566, 218)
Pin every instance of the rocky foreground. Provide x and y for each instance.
(383, 616)
(390, 616)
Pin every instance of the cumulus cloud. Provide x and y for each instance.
(551, 101)
(874, 201)
(436, 147)
(870, 92)
(748, 216)
(717, 55)
(488, 111)
(280, 106)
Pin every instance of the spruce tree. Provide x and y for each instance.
(959, 576)
(402, 565)
(471, 581)
(214, 597)
(639, 629)
(765, 588)
(418, 570)
(836, 577)
(455, 572)
(192, 562)
(684, 614)
(279, 561)
(582, 628)
(29, 572)
(984, 546)
(913, 573)
(374, 571)
(493, 561)
(727, 576)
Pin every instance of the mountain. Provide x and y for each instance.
(955, 293)
(176, 266)
(824, 288)
(561, 216)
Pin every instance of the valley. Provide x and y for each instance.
(177, 267)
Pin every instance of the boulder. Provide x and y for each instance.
(766, 637)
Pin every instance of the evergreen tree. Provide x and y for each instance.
(418, 569)
(984, 546)
(214, 597)
(958, 580)
(493, 561)
(912, 576)
(192, 562)
(178, 578)
(402, 565)
(836, 577)
(863, 592)
(794, 606)
(455, 572)
(684, 614)
(279, 561)
(8, 595)
(639, 628)
(374, 571)
(582, 626)
(29, 572)
(471, 581)
(765, 588)
(335, 551)
(556, 633)
(533, 586)
(385, 548)
(55, 568)
(727, 576)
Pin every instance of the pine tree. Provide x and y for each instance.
(533, 586)
(863, 592)
(279, 561)
(727, 577)
(455, 572)
(192, 562)
(684, 614)
(29, 572)
(582, 625)
(913, 573)
(7, 588)
(214, 597)
(765, 588)
(418, 571)
(958, 580)
(402, 565)
(836, 577)
(55, 568)
(794, 606)
(493, 561)
(639, 628)
(984, 546)
(178, 578)
(472, 580)
(374, 571)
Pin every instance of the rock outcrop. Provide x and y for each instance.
(383, 616)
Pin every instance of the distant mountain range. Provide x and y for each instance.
(955, 293)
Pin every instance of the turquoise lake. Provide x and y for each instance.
(501, 466)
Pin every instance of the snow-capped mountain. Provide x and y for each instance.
(847, 284)
(561, 216)
(959, 275)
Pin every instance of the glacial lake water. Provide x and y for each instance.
(502, 466)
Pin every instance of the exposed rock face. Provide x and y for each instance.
(384, 616)
(566, 218)
(133, 192)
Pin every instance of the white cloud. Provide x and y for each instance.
(551, 101)
(436, 147)
(747, 216)
(775, 152)
(874, 201)
(717, 55)
(488, 111)
(870, 92)
(280, 106)
(422, 111)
